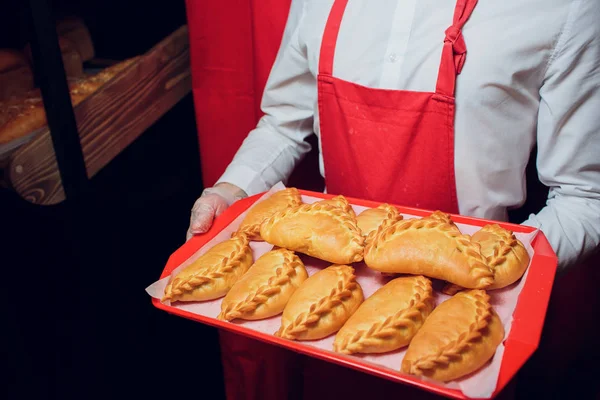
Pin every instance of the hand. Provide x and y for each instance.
(211, 204)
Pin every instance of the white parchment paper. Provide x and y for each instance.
(480, 384)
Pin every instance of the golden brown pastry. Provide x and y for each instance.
(371, 219)
(321, 305)
(388, 319)
(341, 202)
(440, 216)
(504, 254)
(320, 230)
(266, 288)
(213, 274)
(432, 247)
(458, 338)
(278, 201)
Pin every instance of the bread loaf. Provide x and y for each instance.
(74, 30)
(16, 76)
(72, 60)
(25, 114)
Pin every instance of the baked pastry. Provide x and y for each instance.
(276, 202)
(213, 274)
(504, 254)
(74, 29)
(266, 288)
(322, 230)
(458, 338)
(440, 216)
(321, 305)
(341, 202)
(388, 319)
(429, 246)
(371, 219)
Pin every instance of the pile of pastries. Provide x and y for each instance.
(444, 343)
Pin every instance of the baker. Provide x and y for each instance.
(405, 114)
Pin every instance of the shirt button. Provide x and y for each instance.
(393, 57)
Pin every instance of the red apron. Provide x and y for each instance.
(391, 145)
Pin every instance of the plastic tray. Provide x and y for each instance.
(522, 341)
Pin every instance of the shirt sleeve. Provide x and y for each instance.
(568, 138)
(271, 150)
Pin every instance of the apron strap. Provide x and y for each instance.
(330, 36)
(453, 52)
(455, 49)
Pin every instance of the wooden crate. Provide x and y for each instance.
(108, 121)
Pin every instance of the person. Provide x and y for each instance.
(435, 105)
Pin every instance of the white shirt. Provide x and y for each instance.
(532, 73)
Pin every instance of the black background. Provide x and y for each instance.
(76, 321)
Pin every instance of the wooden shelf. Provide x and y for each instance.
(108, 121)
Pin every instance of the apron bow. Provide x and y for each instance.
(455, 39)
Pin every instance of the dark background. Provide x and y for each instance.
(76, 321)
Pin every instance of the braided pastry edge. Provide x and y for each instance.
(204, 276)
(420, 306)
(506, 242)
(337, 213)
(294, 199)
(392, 216)
(326, 304)
(478, 267)
(453, 351)
(282, 277)
(344, 204)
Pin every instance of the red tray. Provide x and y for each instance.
(522, 341)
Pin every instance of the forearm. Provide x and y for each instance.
(265, 158)
(572, 226)
(271, 151)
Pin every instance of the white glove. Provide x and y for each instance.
(211, 204)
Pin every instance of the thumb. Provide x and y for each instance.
(202, 218)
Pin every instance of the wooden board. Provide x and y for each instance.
(108, 121)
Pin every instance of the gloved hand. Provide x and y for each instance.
(211, 204)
